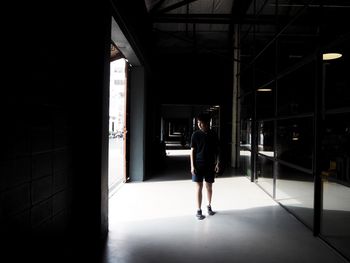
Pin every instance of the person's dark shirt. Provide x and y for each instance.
(206, 145)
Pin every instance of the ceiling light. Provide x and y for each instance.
(265, 89)
(330, 56)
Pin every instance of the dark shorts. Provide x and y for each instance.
(204, 173)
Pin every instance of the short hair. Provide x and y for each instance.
(204, 117)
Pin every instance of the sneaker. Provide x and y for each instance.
(210, 211)
(199, 215)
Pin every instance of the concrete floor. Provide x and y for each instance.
(154, 221)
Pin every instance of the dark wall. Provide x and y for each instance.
(202, 79)
(51, 129)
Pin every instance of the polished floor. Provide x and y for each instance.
(153, 221)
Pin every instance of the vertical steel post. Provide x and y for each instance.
(317, 129)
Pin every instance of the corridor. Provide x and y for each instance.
(154, 221)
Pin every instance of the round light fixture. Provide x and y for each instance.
(330, 56)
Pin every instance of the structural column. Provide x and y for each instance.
(137, 124)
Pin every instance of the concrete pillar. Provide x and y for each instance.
(137, 124)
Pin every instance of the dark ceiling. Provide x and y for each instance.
(191, 25)
(203, 32)
(206, 26)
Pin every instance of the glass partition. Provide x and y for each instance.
(295, 141)
(337, 81)
(296, 91)
(245, 161)
(266, 138)
(265, 174)
(287, 67)
(265, 106)
(245, 147)
(246, 81)
(295, 191)
(336, 181)
(292, 47)
(265, 66)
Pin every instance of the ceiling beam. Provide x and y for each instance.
(238, 11)
(156, 7)
(191, 43)
(226, 19)
(219, 19)
(175, 6)
(193, 18)
(240, 7)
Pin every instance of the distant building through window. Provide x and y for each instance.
(117, 105)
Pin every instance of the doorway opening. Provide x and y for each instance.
(178, 122)
(117, 125)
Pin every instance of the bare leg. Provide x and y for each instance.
(199, 187)
(209, 187)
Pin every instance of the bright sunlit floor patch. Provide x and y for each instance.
(156, 200)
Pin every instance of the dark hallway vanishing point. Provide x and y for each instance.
(273, 74)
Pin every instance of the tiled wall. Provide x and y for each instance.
(35, 171)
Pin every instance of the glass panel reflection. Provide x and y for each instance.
(246, 106)
(265, 101)
(295, 190)
(292, 47)
(246, 81)
(294, 141)
(337, 81)
(265, 174)
(296, 91)
(265, 138)
(336, 216)
(265, 66)
(246, 133)
(336, 148)
(336, 182)
(244, 161)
